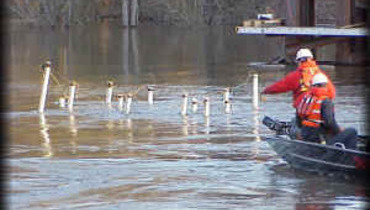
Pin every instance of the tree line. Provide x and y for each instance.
(169, 12)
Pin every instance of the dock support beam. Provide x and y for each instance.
(306, 17)
(305, 12)
(300, 13)
(345, 9)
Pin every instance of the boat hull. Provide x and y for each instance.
(320, 158)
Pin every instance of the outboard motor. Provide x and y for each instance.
(281, 128)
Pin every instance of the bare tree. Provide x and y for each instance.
(134, 12)
(125, 13)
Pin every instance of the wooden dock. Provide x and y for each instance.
(302, 31)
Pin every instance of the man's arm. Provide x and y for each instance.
(288, 83)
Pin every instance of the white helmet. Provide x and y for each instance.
(319, 79)
(303, 53)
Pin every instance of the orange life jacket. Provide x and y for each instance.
(309, 109)
(308, 70)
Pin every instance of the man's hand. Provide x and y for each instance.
(262, 96)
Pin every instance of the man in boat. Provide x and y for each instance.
(316, 111)
(299, 81)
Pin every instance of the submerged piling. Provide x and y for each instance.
(46, 70)
(194, 105)
(120, 102)
(206, 106)
(227, 107)
(150, 95)
(109, 92)
(128, 103)
(226, 94)
(207, 124)
(72, 92)
(184, 105)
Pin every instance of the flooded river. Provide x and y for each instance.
(99, 157)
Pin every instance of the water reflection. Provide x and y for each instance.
(73, 125)
(74, 131)
(110, 126)
(104, 41)
(194, 128)
(228, 123)
(126, 53)
(207, 123)
(135, 50)
(151, 56)
(44, 131)
(185, 126)
(256, 119)
(130, 133)
(130, 60)
(310, 194)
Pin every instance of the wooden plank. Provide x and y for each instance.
(363, 24)
(257, 23)
(302, 31)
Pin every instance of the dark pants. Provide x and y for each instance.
(311, 134)
(348, 137)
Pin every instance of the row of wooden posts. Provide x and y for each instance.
(125, 100)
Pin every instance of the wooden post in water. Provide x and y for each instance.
(194, 103)
(150, 95)
(46, 68)
(120, 101)
(206, 107)
(227, 106)
(72, 93)
(184, 105)
(226, 94)
(128, 103)
(109, 93)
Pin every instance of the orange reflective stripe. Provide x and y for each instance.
(305, 105)
(310, 124)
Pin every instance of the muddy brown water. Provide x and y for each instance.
(153, 158)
